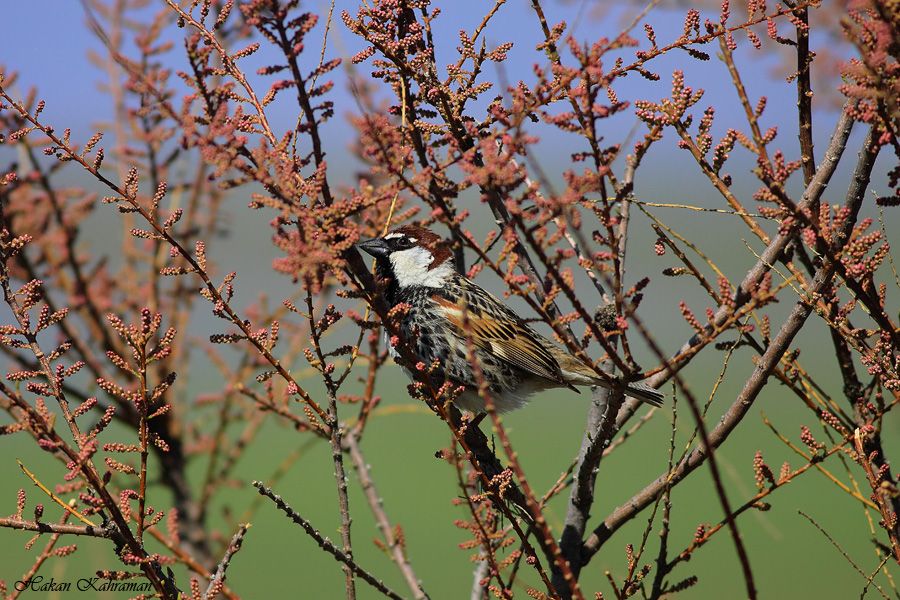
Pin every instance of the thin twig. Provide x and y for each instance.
(841, 550)
(324, 543)
(217, 581)
(384, 525)
(54, 497)
(107, 531)
(871, 577)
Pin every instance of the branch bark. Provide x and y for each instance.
(764, 367)
(601, 429)
(811, 196)
(326, 544)
(108, 532)
(381, 519)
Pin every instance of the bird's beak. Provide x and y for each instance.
(377, 247)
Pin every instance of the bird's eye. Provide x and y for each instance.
(403, 243)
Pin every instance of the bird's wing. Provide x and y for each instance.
(496, 329)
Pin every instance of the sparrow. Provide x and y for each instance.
(415, 267)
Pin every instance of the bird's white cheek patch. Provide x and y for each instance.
(411, 269)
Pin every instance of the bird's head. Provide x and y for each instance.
(412, 256)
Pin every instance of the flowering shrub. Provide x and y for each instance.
(91, 344)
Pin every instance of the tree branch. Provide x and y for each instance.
(324, 543)
(767, 362)
(770, 255)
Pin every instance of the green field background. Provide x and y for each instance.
(790, 558)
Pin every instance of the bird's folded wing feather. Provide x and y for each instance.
(503, 337)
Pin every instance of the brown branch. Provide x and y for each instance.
(805, 95)
(769, 360)
(324, 543)
(106, 531)
(397, 551)
(770, 255)
(334, 437)
(341, 481)
(217, 581)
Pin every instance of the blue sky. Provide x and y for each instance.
(48, 42)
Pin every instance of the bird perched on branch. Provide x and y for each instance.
(448, 312)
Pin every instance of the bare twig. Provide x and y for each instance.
(398, 553)
(105, 531)
(842, 551)
(217, 580)
(324, 543)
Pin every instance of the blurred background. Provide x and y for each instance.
(49, 45)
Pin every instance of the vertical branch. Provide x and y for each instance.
(481, 571)
(143, 440)
(881, 494)
(398, 552)
(343, 498)
(805, 96)
(601, 428)
(335, 433)
(606, 403)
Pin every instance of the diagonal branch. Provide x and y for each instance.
(217, 580)
(770, 255)
(324, 543)
(769, 360)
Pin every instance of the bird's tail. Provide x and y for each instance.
(578, 373)
(644, 393)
